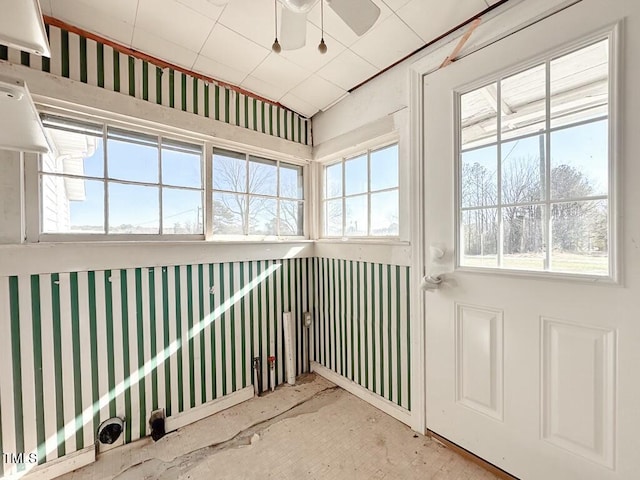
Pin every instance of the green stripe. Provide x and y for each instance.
(124, 311)
(374, 288)
(64, 52)
(183, 91)
(145, 80)
(278, 122)
(263, 116)
(399, 350)
(381, 328)
(216, 101)
(292, 126)
(93, 341)
(57, 361)
(306, 132)
(172, 88)
(203, 317)
(408, 343)
(366, 326)
(192, 370)
(222, 321)
(158, 86)
(167, 341)
(37, 367)
(214, 365)
(110, 342)
(233, 328)
(4, 53)
(261, 285)
(299, 130)
(77, 366)
(206, 100)
(336, 310)
(153, 338)
(270, 119)
(132, 76)
(195, 95)
(116, 71)
(277, 309)
(227, 106)
(83, 60)
(251, 322)
(255, 114)
(327, 313)
(237, 109)
(268, 325)
(343, 313)
(46, 62)
(14, 306)
(243, 328)
(178, 310)
(25, 59)
(286, 126)
(100, 64)
(389, 320)
(142, 394)
(246, 111)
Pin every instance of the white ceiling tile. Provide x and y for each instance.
(204, 7)
(336, 27)
(318, 92)
(45, 6)
(163, 49)
(218, 71)
(347, 70)
(309, 57)
(298, 105)
(264, 89)
(396, 4)
(442, 16)
(228, 47)
(278, 70)
(174, 22)
(252, 19)
(387, 43)
(116, 24)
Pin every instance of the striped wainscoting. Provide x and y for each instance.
(89, 61)
(362, 325)
(81, 347)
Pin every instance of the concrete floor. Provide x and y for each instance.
(312, 430)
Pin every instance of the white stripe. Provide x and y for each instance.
(385, 330)
(6, 380)
(184, 334)
(277, 336)
(56, 49)
(101, 335)
(137, 67)
(118, 348)
(177, 90)
(238, 326)
(162, 402)
(27, 365)
(123, 59)
(217, 327)
(393, 363)
(74, 56)
(232, 107)
(306, 283)
(365, 342)
(14, 56)
(85, 358)
(247, 325)
(108, 67)
(189, 93)
(403, 335)
(262, 318)
(201, 98)
(92, 62)
(206, 285)
(48, 370)
(151, 69)
(67, 362)
(256, 316)
(197, 339)
(133, 354)
(165, 87)
(173, 336)
(146, 334)
(228, 360)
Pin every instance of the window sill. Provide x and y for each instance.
(543, 275)
(365, 241)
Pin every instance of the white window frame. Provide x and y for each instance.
(613, 195)
(379, 144)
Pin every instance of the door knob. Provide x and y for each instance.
(431, 282)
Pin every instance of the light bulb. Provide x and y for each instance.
(322, 48)
(276, 46)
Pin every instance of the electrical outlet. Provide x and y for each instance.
(306, 319)
(212, 290)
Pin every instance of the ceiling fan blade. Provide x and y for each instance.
(293, 30)
(359, 15)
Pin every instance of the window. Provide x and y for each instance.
(534, 167)
(105, 180)
(360, 197)
(256, 196)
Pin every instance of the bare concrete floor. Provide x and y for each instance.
(312, 430)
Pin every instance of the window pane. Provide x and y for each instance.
(291, 185)
(291, 218)
(384, 213)
(523, 103)
(77, 154)
(523, 237)
(333, 218)
(71, 205)
(132, 161)
(262, 216)
(333, 180)
(133, 209)
(263, 176)
(580, 85)
(355, 175)
(479, 177)
(478, 116)
(580, 238)
(229, 213)
(181, 211)
(182, 169)
(523, 170)
(356, 223)
(579, 161)
(479, 237)
(229, 171)
(384, 168)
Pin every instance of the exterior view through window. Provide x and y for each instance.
(360, 197)
(534, 167)
(104, 180)
(256, 196)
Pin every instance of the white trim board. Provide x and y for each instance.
(368, 396)
(60, 466)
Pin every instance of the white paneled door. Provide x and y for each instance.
(532, 218)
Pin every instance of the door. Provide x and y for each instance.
(531, 202)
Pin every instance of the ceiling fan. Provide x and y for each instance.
(359, 15)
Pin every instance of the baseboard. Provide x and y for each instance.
(62, 465)
(368, 396)
(192, 415)
(497, 471)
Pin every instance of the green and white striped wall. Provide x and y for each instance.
(362, 325)
(81, 347)
(88, 61)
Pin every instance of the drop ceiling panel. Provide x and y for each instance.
(203, 7)
(347, 70)
(309, 57)
(161, 48)
(318, 92)
(264, 89)
(252, 19)
(387, 42)
(277, 70)
(224, 72)
(440, 15)
(299, 105)
(230, 48)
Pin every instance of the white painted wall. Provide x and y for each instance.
(11, 197)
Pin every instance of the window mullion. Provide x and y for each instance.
(547, 161)
(160, 210)
(246, 196)
(369, 193)
(105, 181)
(500, 239)
(344, 201)
(207, 183)
(278, 197)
